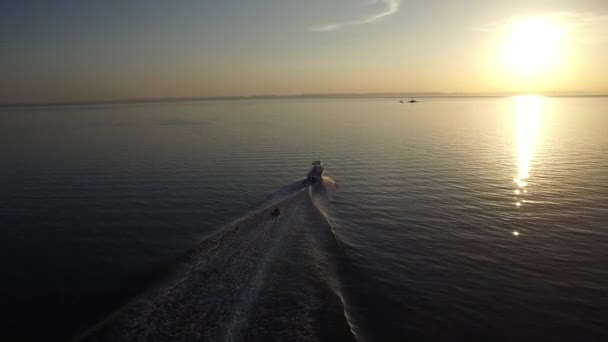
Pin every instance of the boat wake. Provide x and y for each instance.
(262, 277)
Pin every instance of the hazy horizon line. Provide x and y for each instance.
(437, 94)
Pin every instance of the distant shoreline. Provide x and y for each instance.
(280, 97)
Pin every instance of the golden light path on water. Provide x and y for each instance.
(529, 112)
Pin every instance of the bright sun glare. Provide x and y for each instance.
(533, 46)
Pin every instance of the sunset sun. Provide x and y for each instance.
(533, 46)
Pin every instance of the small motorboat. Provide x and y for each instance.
(412, 100)
(316, 173)
(275, 212)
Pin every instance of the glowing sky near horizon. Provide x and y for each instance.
(98, 50)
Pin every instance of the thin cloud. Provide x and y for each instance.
(389, 7)
(582, 27)
(587, 28)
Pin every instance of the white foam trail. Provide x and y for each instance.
(216, 295)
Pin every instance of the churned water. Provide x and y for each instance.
(449, 219)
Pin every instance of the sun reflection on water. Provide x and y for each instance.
(529, 111)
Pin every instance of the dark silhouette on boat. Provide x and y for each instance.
(316, 173)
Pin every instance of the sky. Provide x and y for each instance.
(83, 50)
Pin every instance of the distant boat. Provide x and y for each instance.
(401, 101)
(412, 100)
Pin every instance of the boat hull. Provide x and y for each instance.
(316, 174)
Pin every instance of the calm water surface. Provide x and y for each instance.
(446, 220)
